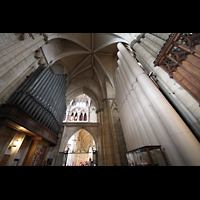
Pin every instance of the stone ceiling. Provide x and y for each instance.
(84, 55)
(84, 139)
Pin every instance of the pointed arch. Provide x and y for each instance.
(65, 54)
(81, 117)
(85, 117)
(68, 132)
(115, 40)
(68, 37)
(74, 93)
(76, 117)
(72, 117)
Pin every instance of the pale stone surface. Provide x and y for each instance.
(181, 96)
(126, 117)
(173, 125)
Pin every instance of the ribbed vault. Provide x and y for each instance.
(84, 55)
(84, 141)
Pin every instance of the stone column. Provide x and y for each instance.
(138, 107)
(126, 115)
(132, 108)
(155, 39)
(118, 143)
(118, 99)
(155, 48)
(144, 54)
(108, 146)
(88, 113)
(131, 132)
(68, 113)
(101, 149)
(169, 86)
(150, 112)
(164, 36)
(185, 142)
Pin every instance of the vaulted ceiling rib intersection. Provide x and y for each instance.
(84, 54)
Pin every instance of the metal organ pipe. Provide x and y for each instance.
(54, 97)
(42, 95)
(21, 89)
(24, 97)
(54, 93)
(60, 100)
(62, 104)
(55, 89)
(52, 87)
(40, 85)
(37, 81)
(24, 87)
(28, 100)
(38, 91)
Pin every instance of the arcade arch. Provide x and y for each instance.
(81, 147)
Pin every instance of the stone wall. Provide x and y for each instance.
(17, 60)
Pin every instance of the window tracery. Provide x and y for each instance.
(81, 109)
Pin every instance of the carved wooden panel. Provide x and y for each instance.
(180, 58)
(23, 122)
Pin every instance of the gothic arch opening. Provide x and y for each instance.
(81, 109)
(81, 149)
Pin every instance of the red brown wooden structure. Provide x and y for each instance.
(180, 58)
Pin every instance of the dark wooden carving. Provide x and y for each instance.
(180, 56)
(172, 56)
(16, 118)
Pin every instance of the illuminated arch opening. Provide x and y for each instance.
(81, 109)
(81, 147)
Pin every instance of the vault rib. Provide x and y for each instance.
(79, 65)
(80, 71)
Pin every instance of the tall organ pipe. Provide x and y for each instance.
(25, 100)
(40, 110)
(58, 99)
(42, 95)
(16, 95)
(48, 93)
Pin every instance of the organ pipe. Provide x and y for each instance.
(42, 95)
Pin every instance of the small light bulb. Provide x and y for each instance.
(15, 143)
